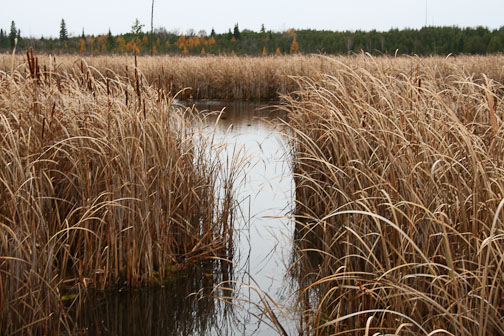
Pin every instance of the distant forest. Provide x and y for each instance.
(425, 41)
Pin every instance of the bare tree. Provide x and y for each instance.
(152, 18)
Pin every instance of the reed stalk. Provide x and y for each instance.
(399, 191)
(98, 193)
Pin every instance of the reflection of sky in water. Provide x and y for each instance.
(263, 238)
(264, 247)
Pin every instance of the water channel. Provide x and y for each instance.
(263, 249)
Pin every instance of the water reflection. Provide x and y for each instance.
(262, 251)
(263, 227)
(165, 310)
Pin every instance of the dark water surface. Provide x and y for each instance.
(263, 240)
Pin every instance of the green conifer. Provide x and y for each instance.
(63, 34)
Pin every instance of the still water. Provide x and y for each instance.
(222, 298)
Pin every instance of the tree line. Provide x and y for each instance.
(424, 41)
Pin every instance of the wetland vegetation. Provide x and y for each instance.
(398, 185)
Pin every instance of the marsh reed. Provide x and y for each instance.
(104, 185)
(400, 189)
(398, 167)
(252, 78)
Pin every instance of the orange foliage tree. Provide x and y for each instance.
(82, 46)
(294, 46)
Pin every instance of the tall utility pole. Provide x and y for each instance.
(152, 18)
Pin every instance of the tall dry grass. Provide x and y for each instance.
(250, 78)
(104, 184)
(212, 77)
(399, 169)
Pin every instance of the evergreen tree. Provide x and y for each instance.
(83, 36)
(110, 41)
(263, 30)
(136, 28)
(3, 39)
(63, 34)
(212, 33)
(12, 34)
(236, 32)
(494, 45)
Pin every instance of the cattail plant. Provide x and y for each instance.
(99, 192)
(400, 196)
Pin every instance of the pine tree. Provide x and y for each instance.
(212, 34)
(236, 32)
(63, 35)
(12, 34)
(110, 41)
(136, 28)
(3, 39)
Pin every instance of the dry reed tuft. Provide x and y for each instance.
(104, 184)
(400, 189)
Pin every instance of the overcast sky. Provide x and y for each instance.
(38, 17)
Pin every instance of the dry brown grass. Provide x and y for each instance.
(399, 183)
(104, 184)
(259, 78)
(400, 189)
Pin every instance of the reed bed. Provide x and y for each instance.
(253, 78)
(212, 77)
(104, 185)
(400, 188)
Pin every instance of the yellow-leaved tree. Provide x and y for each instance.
(278, 52)
(82, 46)
(121, 44)
(294, 46)
(203, 52)
(181, 41)
(264, 51)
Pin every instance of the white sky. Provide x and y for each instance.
(39, 17)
